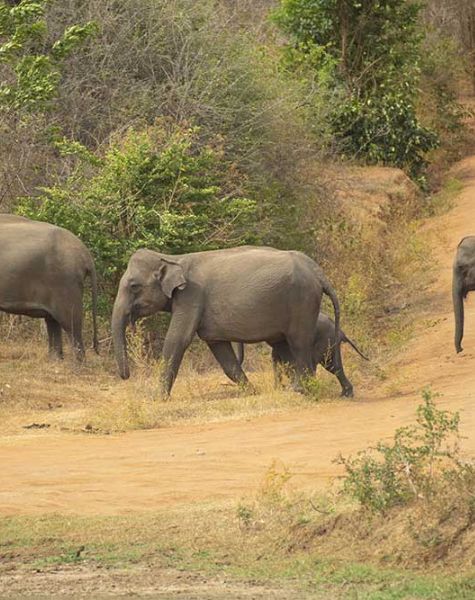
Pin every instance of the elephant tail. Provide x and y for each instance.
(240, 353)
(354, 346)
(330, 292)
(93, 276)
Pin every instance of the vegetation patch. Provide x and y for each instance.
(410, 534)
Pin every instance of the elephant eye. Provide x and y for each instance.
(135, 287)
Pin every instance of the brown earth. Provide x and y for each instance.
(154, 584)
(146, 470)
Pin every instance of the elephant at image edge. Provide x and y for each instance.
(463, 281)
(247, 294)
(323, 354)
(43, 268)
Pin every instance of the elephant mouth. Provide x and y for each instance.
(141, 310)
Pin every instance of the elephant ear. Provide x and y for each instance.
(171, 277)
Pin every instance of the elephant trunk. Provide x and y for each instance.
(120, 320)
(457, 298)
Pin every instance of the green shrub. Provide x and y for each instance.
(385, 129)
(158, 188)
(410, 467)
(373, 51)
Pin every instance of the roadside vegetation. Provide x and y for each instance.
(401, 525)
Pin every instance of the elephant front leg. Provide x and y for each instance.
(179, 336)
(55, 342)
(224, 354)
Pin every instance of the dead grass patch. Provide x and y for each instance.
(91, 397)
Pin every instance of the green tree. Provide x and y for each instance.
(160, 188)
(375, 47)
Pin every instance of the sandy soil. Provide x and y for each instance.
(154, 584)
(88, 474)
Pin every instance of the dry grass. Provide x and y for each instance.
(91, 397)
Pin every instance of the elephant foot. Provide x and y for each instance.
(347, 392)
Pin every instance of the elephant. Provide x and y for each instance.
(245, 294)
(463, 281)
(323, 353)
(42, 272)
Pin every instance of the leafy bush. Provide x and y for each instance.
(385, 130)
(374, 48)
(200, 62)
(189, 61)
(31, 70)
(411, 467)
(158, 188)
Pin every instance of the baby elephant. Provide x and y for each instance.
(323, 353)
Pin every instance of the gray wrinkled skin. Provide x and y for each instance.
(463, 281)
(42, 274)
(247, 294)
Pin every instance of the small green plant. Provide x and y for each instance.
(245, 515)
(408, 468)
(317, 388)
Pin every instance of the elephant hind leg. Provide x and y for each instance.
(73, 327)
(55, 342)
(302, 352)
(282, 362)
(346, 385)
(224, 354)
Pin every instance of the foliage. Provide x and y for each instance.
(386, 131)
(159, 188)
(375, 47)
(443, 72)
(190, 62)
(32, 70)
(407, 469)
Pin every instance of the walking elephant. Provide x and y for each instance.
(247, 294)
(463, 281)
(42, 273)
(324, 353)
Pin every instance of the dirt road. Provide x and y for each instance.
(80, 474)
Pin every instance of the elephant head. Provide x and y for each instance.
(145, 288)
